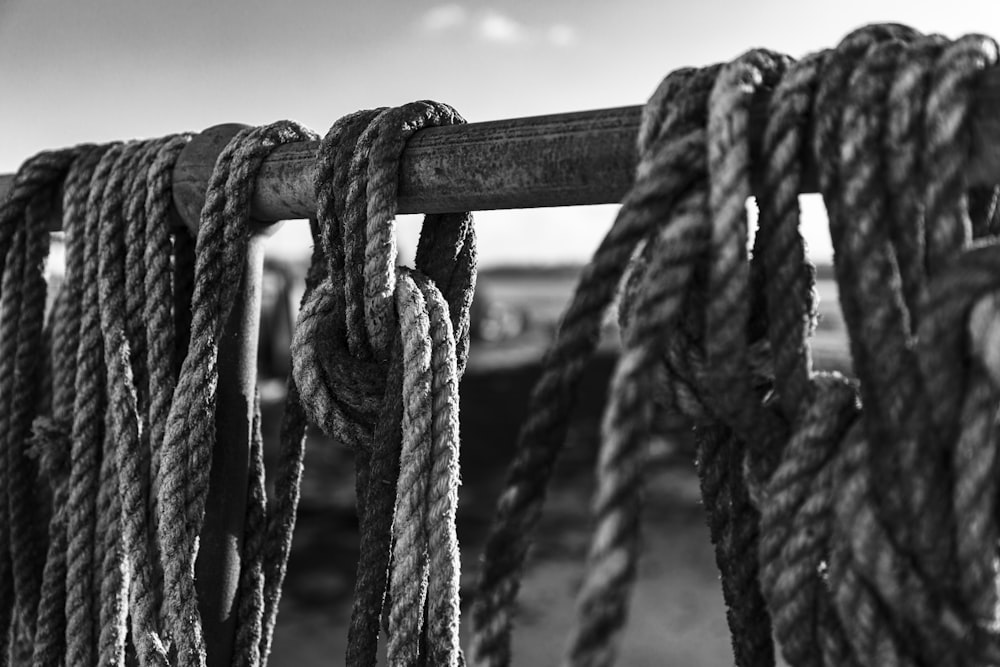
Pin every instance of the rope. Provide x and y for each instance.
(854, 520)
(23, 247)
(190, 429)
(850, 570)
(662, 178)
(377, 354)
(103, 578)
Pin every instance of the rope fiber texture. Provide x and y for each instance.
(854, 519)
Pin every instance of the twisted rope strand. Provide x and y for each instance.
(87, 436)
(190, 432)
(120, 502)
(442, 494)
(625, 429)
(541, 436)
(248, 642)
(117, 269)
(408, 584)
(52, 440)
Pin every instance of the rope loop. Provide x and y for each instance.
(378, 349)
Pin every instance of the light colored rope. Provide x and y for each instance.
(376, 356)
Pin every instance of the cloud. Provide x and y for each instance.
(496, 27)
(444, 17)
(561, 35)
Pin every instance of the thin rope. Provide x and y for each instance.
(190, 430)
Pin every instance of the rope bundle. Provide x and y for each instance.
(865, 535)
(100, 405)
(377, 354)
(115, 404)
(855, 521)
(70, 597)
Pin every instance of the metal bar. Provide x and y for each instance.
(586, 157)
(560, 160)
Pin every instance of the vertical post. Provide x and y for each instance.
(217, 569)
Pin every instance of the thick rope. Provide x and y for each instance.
(100, 407)
(377, 355)
(852, 571)
(87, 435)
(121, 273)
(190, 430)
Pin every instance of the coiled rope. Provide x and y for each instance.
(866, 535)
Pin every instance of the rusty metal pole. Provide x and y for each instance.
(567, 159)
(217, 568)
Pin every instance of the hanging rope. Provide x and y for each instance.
(853, 520)
(99, 396)
(377, 354)
(22, 305)
(851, 571)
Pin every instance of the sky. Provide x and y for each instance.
(76, 71)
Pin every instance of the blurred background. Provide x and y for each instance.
(100, 70)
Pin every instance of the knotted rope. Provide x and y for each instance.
(377, 354)
(868, 535)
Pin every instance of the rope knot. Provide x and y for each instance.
(376, 356)
(342, 392)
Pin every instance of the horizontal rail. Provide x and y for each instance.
(566, 159)
(558, 160)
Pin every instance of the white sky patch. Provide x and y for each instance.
(501, 29)
(561, 35)
(444, 17)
